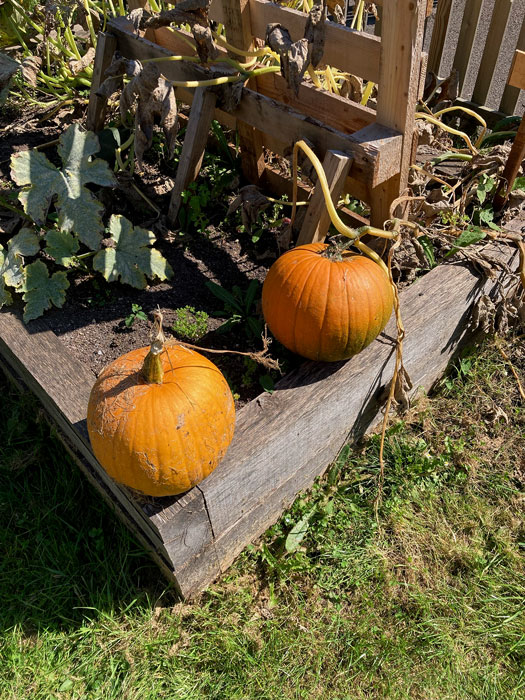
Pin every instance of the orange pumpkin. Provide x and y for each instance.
(326, 306)
(160, 419)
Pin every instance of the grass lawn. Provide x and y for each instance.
(425, 601)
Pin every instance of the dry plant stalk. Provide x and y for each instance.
(261, 356)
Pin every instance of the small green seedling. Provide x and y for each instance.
(136, 313)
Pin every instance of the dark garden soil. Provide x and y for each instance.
(92, 321)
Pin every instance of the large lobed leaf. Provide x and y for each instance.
(78, 210)
(131, 259)
(25, 243)
(42, 290)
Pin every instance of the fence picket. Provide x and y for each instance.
(498, 25)
(467, 33)
(439, 34)
(511, 94)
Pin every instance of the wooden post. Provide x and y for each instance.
(511, 92)
(238, 33)
(517, 153)
(317, 221)
(106, 45)
(439, 34)
(467, 33)
(498, 25)
(401, 43)
(190, 161)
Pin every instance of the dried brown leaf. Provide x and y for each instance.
(204, 40)
(154, 98)
(402, 389)
(252, 201)
(30, 67)
(315, 33)
(86, 60)
(114, 75)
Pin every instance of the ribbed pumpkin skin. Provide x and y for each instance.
(161, 439)
(325, 309)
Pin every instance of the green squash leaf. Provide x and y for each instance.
(5, 295)
(78, 210)
(41, 290)
(131, 259)
(12, 262)
(62, 246)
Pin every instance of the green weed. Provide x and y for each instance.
(189, 323)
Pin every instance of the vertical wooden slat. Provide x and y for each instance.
(497, 28)
(106, 45)
(439, 34)
(467, 33)
(317, 219)
(237, 23)
(201, 115)
(511, 93)
(401, 43)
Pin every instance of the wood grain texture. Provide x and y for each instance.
(194, 146)
(517, 71)
(467, 34)
(374, 149)
(439, 33)
(316, 408)
(106, 44)
(511, 93)
(401, 44)
(498, 25)
(317, 220)
(336, 111)
(238, 26)
(355, 52)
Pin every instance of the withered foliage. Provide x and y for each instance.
(296, 56)
(192, 12)
(252, 202)
(150, 95)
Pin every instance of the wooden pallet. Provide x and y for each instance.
(282, 441)
(378, 143)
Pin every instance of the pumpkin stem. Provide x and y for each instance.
(152, 369)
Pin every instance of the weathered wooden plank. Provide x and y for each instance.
(467, 33)
(237, 23)
(336, 111)
(517, 70)
(511, 93)
(317, 220)
(195, 139)
(314, 409)
(498, 25)
(401, 43)
(439, 33)
(355, 52)
(106, 44)
(375, 149)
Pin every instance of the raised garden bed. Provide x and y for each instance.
(282, 442)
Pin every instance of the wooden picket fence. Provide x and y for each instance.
(482, 58)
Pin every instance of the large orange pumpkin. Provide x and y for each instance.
(160, 419)
(324, 306)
